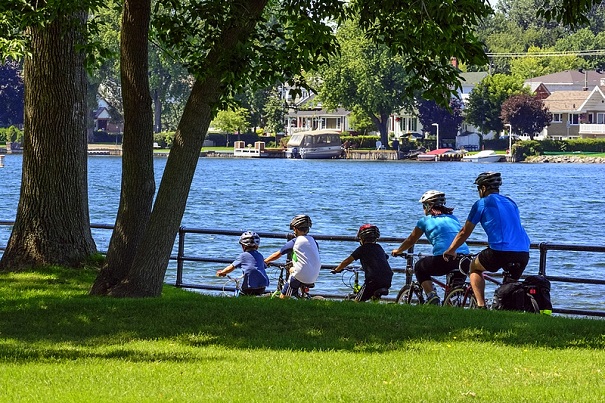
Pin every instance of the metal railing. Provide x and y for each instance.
(181, 258)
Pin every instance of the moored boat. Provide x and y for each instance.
(318, 144)
(483, 156)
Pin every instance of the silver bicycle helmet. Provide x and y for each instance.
(368, 233)
(249, 238)
(491, 180)
(433, 198)
(301, 221)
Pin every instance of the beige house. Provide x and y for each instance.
(576, 114)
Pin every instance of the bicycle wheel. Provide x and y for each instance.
(410, 294)
(459, 298)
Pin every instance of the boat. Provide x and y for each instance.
(1, 161)
(316, 144)
(434, 155)
(483, 156)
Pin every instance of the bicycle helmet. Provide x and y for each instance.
(491, 180)
(368, 233)
(301, 221)
(433, 198)
(249, 238)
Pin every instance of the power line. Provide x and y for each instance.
(596, 52)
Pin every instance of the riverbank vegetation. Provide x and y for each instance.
(59, 344)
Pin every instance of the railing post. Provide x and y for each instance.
(180, 257)
(543, 249)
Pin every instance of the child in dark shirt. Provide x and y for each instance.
(378, 273)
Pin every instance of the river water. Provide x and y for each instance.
(559, 203)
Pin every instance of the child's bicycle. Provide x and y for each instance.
(284, 273)
(465, 298)
(412, 292)
(233, 287)
(350, 278)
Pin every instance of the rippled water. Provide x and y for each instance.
(559, 203)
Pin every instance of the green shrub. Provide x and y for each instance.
(526, 148)
(164, 139)
(11, 134)
(360, 141)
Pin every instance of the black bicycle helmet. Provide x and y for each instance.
(368, 233)
(249, 238)
(433, 198)
(301, 221)
(491, 180)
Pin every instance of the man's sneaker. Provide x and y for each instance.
(433, 299)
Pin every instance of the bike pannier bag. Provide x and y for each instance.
(510, 297)
(539, 288)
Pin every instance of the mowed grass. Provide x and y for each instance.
(57, 344)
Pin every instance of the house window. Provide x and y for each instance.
(574, 118)
(600, 118)
(557, 118)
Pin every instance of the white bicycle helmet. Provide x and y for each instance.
(433, 198)
(249, 238)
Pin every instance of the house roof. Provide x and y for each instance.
(574, 79)
(473, 78)
(320, 112)
(575, 101)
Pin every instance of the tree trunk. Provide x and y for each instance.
(381, 123)
(138, 182)
(52, 225)
(146, 275)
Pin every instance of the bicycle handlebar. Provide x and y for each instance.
(407, 255)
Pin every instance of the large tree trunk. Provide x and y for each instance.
(146, 275)
(138, 183)
(52, 225)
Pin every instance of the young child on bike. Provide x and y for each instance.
(440, 227)
(508, 243)
(252, 263)
(305, 256)
(378, 273)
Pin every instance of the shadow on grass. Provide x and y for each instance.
(41, 326)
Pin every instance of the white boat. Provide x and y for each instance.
(315, 144)
(483, 156)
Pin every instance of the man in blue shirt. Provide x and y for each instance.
(508, 243)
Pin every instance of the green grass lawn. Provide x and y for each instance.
(59, 345)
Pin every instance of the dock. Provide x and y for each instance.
(105, 149)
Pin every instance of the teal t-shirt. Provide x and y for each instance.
(441, 230)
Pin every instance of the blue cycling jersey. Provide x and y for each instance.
(499, 217)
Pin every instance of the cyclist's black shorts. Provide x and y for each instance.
(434, 266)
(494, 260)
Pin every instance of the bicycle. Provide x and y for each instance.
(353, 283)
(465, 297)
(236, 289)
(412, 292)
(301, 292)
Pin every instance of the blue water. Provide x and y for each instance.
(559, 203)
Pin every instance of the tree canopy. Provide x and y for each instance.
(526, 114)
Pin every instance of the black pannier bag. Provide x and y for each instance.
(539, 288)
(510, 297)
